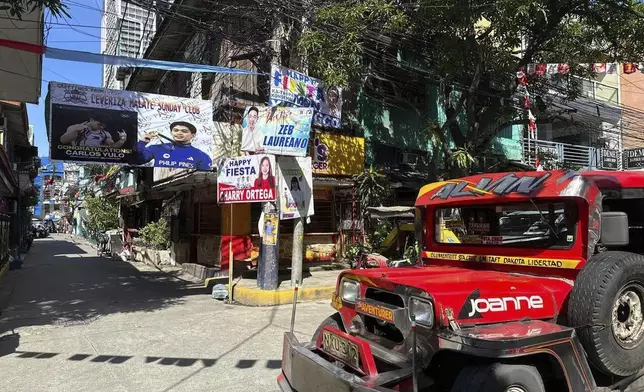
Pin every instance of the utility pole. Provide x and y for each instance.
(298, 227)
(268, 266)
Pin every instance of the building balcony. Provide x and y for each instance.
(563, 155)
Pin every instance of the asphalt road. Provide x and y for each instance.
(74, 322)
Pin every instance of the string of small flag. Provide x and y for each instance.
(522, 83)
(540, 69)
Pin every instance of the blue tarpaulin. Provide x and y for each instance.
(97, 58)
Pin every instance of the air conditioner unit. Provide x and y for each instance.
(410, 159)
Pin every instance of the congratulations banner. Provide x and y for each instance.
(89, 124)
(276, 130)
(302, 90)
(247, 179)
(296, 187)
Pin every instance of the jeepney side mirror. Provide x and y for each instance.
(614, 229)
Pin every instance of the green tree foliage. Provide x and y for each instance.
(156, 234)
(472, 49)
(18, 7)
(102, 214)
(372, 188)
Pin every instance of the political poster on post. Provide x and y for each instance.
(296, 187)
(95, 125)
(247, 179)
(295, 88)
(276, 130)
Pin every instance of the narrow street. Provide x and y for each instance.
(72, 321)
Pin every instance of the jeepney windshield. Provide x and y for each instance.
(536, 225)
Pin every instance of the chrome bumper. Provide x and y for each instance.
(303, 371)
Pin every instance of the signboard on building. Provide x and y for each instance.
(633, 158)
(609, 159)
(89, 124)
(292, 87)
(247, 179)
(337, 154)
(296, 187)
(276, 130)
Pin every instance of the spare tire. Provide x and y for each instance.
(606, 307)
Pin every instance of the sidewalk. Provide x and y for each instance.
(316, 285)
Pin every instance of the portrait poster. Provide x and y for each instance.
(276, 130)
(247, 179)
(95, 125)
(296, 187)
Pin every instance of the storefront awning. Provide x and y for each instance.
(185, 182)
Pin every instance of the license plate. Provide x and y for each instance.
(341, 349)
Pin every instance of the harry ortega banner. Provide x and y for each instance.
(296, 187)
(276, 130)
(247, 179)
(89, 124)
(297, 89)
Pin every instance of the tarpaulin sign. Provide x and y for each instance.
(297, 89)
(277, 130)
(89, 124)
(247, 179)
(296, 187)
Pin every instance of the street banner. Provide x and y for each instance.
(247, 179)
(89, 124)
(276, 130)
(296, 187)
(297, 89)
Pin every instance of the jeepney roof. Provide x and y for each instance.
(606, 179)
(511, 186)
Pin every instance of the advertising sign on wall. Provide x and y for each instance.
(277, 130)
(337, 154)
(609, 159)
(302, 90)
(634, 158)
(89, 124)
(247, 179)
(296, 187)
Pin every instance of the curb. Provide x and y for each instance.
(257, 297)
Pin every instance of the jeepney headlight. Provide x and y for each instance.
(349, 290)
(422, 310)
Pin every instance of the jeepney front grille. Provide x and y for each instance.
(385, 297)
(379, 328)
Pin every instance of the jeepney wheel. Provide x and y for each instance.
(499, 377)
(333, 321)
(606, 307)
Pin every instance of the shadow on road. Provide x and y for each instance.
(60, 283)
(149, 360)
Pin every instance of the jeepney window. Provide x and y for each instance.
(540, 225)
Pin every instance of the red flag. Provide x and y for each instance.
(630, 68)
(24, 46)
(540, 69)
(564, 69)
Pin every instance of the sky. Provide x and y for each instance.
(72, 36)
